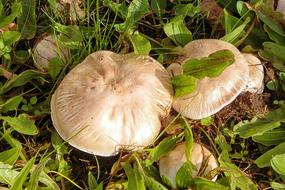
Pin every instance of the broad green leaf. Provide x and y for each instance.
(10, 156)
(272, 120)
(186, 10)
(136, 10)
(184, 84)
(184, 177)
(272, 137)
(70, 37)
(256, 37)
(278, 163)
(163, 148)
(11, 104)
(36, 173)
(54, 67)
(23, 124)
(7, 174)
(236, 33)
(92, 182)
(204, 184)
(264, 159)
(135, 178)
(20, 80)
(243, 10)
(237, 179)
(177, 31)
(10, 37)
(274, 36)
(272, 19)
(21, 177)
(118, 8)
(229, 5)
(141, 45)
(27, 20)
(230, 22)
(277, 186)
(211, 66)
(16, 10)
(275, 49)
(153, 184)
(158, 7)
(272, 85)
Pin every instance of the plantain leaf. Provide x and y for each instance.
(11, 104)
(27, 20)
(278, 164)
(23, 124)
(274, 20)
(163, 148)
(265, 159)
(272, 120)
(141, 45)
(184, 84)
(136, 10)
(20, 80)
(204, 184)
(15, 11)
(135, 178)
(272, 137)
(211, 66)
(177, 31)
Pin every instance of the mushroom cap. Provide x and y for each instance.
(281, 7)
(170, 164)
(174, 69)
(212, 94)
(111, 101)
(256, 74)
(46, 49)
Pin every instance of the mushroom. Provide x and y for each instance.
(202, 159)
(256, 74)
(112, 101)
(212, 94)
(281, 7)
(46, 49)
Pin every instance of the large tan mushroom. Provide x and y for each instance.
(110, 101)
(202, 159)
(212, 94)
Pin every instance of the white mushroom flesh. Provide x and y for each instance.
(110, 101)
(47, 49)
(170, 164)
(212, 94)
(256, 74)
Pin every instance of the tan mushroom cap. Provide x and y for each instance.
(281, 7)
(170, 164)
(212, 94)
(256, 74)
(111, 101)
(174, 69)
(46, 49)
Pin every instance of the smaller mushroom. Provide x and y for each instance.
(212, 94)
(256, 74)
(281, 7)
(46, 49)
(202, 159)
(174, 69)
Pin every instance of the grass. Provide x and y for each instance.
(32, 154)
